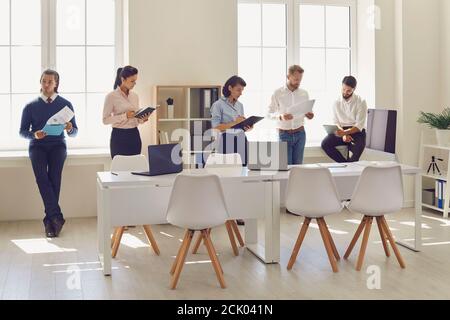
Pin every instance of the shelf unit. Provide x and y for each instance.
(429, 148)
(191, 118)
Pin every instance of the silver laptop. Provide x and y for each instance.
(269, 156)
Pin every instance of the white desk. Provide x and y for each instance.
(127, 199)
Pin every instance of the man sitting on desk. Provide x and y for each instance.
(350, 115)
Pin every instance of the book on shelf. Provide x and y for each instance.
(164, 137)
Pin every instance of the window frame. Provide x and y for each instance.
(49, 46)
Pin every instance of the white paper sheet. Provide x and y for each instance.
(302, 108)
(62, 117)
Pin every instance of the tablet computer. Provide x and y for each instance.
(249, 122)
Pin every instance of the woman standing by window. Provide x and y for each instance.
(119, 112)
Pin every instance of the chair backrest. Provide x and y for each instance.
(223, 160)
(312, 193)
(130, 163)
(379, 191)
(197, 202)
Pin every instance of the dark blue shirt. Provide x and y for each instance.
(35, 116)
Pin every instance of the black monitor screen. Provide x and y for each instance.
(381, 130)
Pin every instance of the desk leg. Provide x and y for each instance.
(104, 229)
(418, 216)
(270, 252)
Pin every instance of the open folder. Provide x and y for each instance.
(249, 122)
(54, 129)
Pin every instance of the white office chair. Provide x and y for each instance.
(196, 204)
(379, 192)
(130, 163)
(219, 160)
(312, 193)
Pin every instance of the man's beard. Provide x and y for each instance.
(346, 97)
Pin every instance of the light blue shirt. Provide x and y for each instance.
(223, 112)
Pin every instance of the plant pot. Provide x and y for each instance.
(443, 137)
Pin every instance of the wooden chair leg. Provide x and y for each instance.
(215, 261)
(333, 245)
(214, 250)
(355, 238)
(237, 233)
(383, 237)
(197, 244)
(118, 238)
(232, 240)
(181, 259)
(114, 236)
(175, 263)
(151, 239)
(298, 243)
(362, 250)
(327, 243)
(392, 242)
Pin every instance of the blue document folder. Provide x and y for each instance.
(54, 129)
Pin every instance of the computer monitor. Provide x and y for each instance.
(382, 130)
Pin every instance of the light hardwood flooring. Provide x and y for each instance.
(32, 267)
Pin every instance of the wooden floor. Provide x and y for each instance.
(32, 267)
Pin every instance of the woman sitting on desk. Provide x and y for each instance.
(228, 112)
(120, 110)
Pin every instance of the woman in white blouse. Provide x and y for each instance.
(119, 111)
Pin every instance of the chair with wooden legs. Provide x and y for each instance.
(312, 193)
(196, 204)
(230, 160)
(379, 192)
(130, 163)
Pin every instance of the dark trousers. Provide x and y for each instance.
(125, 142)
(356, 148)
(48, 163)
(234, 143)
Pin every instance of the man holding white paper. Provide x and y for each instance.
(43, 123)
(289, 107)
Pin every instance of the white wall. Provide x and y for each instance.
(182, 42)
(445, 53)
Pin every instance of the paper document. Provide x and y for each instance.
(62, 117)
(302, 108)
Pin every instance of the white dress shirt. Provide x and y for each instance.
(282, 100)
(45, 98)
(351, 113)
(115, 109)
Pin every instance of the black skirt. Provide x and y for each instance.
(125, 142)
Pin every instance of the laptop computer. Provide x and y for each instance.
(269, 156)
(163, 159)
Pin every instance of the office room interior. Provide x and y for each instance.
(371, 226)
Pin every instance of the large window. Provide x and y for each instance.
(80, 39)
(317, 34)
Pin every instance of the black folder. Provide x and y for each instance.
(144, 111)
(249, 122)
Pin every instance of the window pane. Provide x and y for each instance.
(274, 69)
(79, 105)
(6, 115)
(71, 65)
(100, 22)
(338, 27)
(26, 69)
(70, 22)
(274, 25)
(100, 68)
(5, 67)
(98, 132)
(26, 22)
(338, 66)
(19, 101)
(313, 61)
(4, 22)
(250, 68)
(312, 26)
(249, 24)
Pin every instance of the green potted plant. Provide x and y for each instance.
(440, 122)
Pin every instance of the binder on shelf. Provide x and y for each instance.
(163, 137)
(206, 103)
